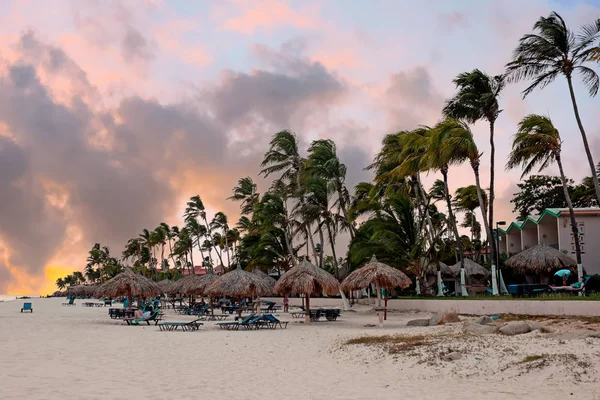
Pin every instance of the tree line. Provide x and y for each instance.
(308, 204)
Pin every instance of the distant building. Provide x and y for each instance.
(199, 270)
(553, 228)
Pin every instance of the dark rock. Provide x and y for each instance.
(483, 320)
(515, 328)
(418, 322)
(477, 329)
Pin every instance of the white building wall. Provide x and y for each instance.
(589, 238)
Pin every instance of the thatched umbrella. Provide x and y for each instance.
(166, 285)
(128, 284)
(540, 259)
(240, 283)
(307, 279)
(82, 290)
(379, 274)
(266, 277)
(471, 269)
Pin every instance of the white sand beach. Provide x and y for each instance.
(78, 352)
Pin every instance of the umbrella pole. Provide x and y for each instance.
(378, 296)
(307, 316)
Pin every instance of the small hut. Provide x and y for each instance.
(307, 279)
(271, 281)
(128, 284)
(239, 284)
(379, 274)
(475, 274)
(82, 290)
(166, 285)
(541, 261)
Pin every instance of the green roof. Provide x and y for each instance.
(554, 212)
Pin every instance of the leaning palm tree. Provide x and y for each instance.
(477, 99)
(538, 142)
(246, 191)
(555, 50)
(466, 199)
(439, 157)
(324, 163)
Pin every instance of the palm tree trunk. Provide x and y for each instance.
(421, 198)
(342, 200)
(455, 230)
(227, 250)
(289, 246)
(574, 229)
(584, 138)
(332, 242)
(322, 239)
(192, 259)
(312, 242)
(486, 225)
(491, 240)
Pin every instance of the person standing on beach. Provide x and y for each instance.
(564, 274)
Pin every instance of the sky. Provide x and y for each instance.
(114, 113)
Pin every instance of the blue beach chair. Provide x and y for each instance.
(27, 307)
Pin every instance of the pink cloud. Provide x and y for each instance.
(267, 14)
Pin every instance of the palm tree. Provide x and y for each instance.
(161, 236)
(195, 210)
(219, 221)
(283, 157)
(400, 157)
(555, 50)
(466, 199)
(477, 99)
(538, 142)
(246, 192)
(60, 283)
(439, 157)
(324, 163)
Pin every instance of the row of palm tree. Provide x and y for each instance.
(308, 205)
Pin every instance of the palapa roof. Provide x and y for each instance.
(540, 259)
(377, 273)
(166, 285)
(471, 269)
(194, 284)
(431, 269)
(240, 283)
(128, 283)
(82, 290)
(265, 276)
(305, 278)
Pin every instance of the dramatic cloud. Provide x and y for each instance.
(113, 113)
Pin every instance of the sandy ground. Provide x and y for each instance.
(78, 352)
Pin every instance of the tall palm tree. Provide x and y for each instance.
(219, 221)
(324, 163)
(439, 157)
(246, 191)
(466, 199)
(400, 158)
(538, 142)
(554, 50)
(60, 283)
(477, 99)
(283, 157)
(197, 234)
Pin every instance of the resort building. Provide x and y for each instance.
(553, 228)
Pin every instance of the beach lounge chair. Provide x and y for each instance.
(27, 307)
(71, 302)
(247, 322)
(107, 302)
(155, 316)
(273, 322)
(271, 307)
(185, 326)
